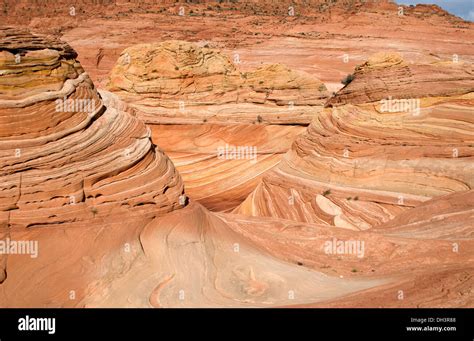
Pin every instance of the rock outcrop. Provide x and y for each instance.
(229, 260)
(387, 75)
(180, 82)
(218, 181)
(65, 156)
(358, 166)
(82, 181)
(349, 204)
(78, 179)
(204, 104)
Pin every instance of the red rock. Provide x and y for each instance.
(156, 255)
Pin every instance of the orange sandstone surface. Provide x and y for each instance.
(207, 155)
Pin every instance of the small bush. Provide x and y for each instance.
(346, 80)
(326, 192)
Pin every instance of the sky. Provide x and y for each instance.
(461, 8)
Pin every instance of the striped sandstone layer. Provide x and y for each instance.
(64, 156)
(177, 82)
(89, 188)
(387, 74)
(358, 166)
(59, 164)
(197, 102)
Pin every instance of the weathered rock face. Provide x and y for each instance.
(175, 68)
(387, 75)
(207, 105)
(358, 166)
(83, 177)
(64, 155)
(181, 82)
(446, 217)
(117, 8)
(82, 174)
(203, 259)
(88, 183)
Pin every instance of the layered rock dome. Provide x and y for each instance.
(358, 166)
(387, 74)
(182, 82)
(65, 156)
(196, 100)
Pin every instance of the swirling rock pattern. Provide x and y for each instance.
(196, 101)
(229, 260)
(218, 262)
(69, 161)
(357, 167)
(218, 183)
(85, 183)
(64, 155)
(397, 183)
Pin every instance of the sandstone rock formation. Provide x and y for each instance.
(446, 217)
(211, 105)
(358, 166)
(315, 40)
(181, 82)
(387, 75)
(446, 220)
(221, 183)
(390, 183)
(83, 181)
(257, 30)
(232, 260)
(65, 157)
(63, 154)
(215, 264)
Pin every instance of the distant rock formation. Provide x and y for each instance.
(181, 82)
(387, 75)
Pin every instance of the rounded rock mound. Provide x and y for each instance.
(65, 157)
(178, 82)
(387, 76)
(171, 67)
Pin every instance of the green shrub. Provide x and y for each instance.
(346, 80)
